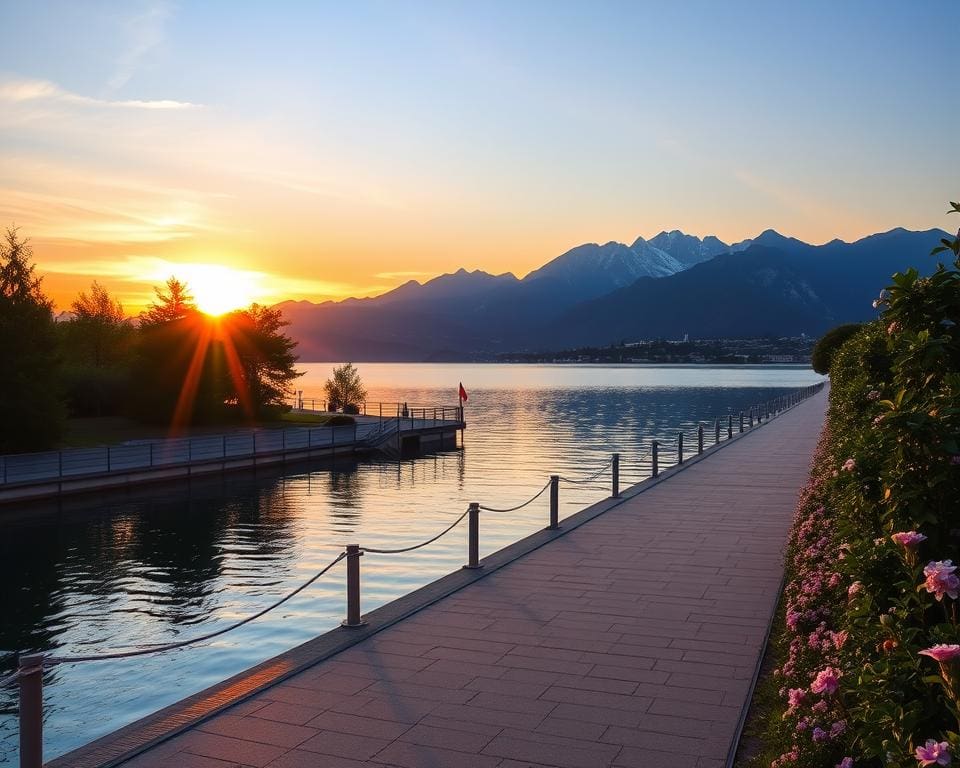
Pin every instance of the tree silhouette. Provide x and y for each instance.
(97, 346)
(265, 353)
(31, 409)
(344, 389)
(175, 303)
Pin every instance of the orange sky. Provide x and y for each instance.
(135, 141)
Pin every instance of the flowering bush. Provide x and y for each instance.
(868, 649)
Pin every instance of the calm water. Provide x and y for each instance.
(173, 561)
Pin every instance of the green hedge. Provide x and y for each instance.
(868, 644)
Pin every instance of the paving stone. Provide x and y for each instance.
(408, 755)
(229, 749)
(339, 722)
(349, 745)
(447, 738)
(254, 729)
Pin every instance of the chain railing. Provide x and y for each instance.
(29, 673)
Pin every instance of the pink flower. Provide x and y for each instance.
(838, 728)
(795, 697)
(873, 395)
(893, 328)
(941, 579)
(854, 589)
(827, 681)
(839, 638)
(909, 540)
(847, 762)
(849, 465)
(941, 653)
(933, 753)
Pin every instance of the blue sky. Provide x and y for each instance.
(343, 146)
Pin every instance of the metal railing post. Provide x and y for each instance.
(699, 438)
(716, 431)
(31, 711)
(655, 470)
(353, 587)
(473, 536)
(554, 502)
(615, 480)
(108, 458)
(680, 448)
(741, 421)
(729, 425)
(751, 417)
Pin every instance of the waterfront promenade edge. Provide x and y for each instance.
(632, 639)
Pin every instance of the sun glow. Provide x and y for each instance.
(218, 289)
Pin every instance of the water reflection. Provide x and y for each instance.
(169, 561)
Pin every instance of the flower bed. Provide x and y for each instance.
(868, 645)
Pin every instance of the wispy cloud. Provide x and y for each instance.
(104, 213)
(144, 32)
(25, 91)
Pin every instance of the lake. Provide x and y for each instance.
(159, 563)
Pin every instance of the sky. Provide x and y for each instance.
(318, 150)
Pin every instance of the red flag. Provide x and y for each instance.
(463, 393)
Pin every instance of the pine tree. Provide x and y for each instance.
(31, 409)
(175, 303)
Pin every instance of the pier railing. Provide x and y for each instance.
(381, 409)
(74, 463)
(30, 666)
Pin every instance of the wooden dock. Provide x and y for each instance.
(630, 638)
(30, 476)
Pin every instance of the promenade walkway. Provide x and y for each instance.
(630, 641)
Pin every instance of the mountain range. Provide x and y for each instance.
(671, 285)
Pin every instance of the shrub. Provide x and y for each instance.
(824, 350)
(340, 421)
(869, 643)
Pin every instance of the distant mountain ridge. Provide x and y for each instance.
(665, 287)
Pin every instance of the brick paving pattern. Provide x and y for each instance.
(629, 642)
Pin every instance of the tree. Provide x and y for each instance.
(173, 304)
(266, 355)
(832, 340)
(99, 328)
(345, 389)
(193, 368)
(31, 410)
(97, 348)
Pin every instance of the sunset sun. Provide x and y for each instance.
(218, 289)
